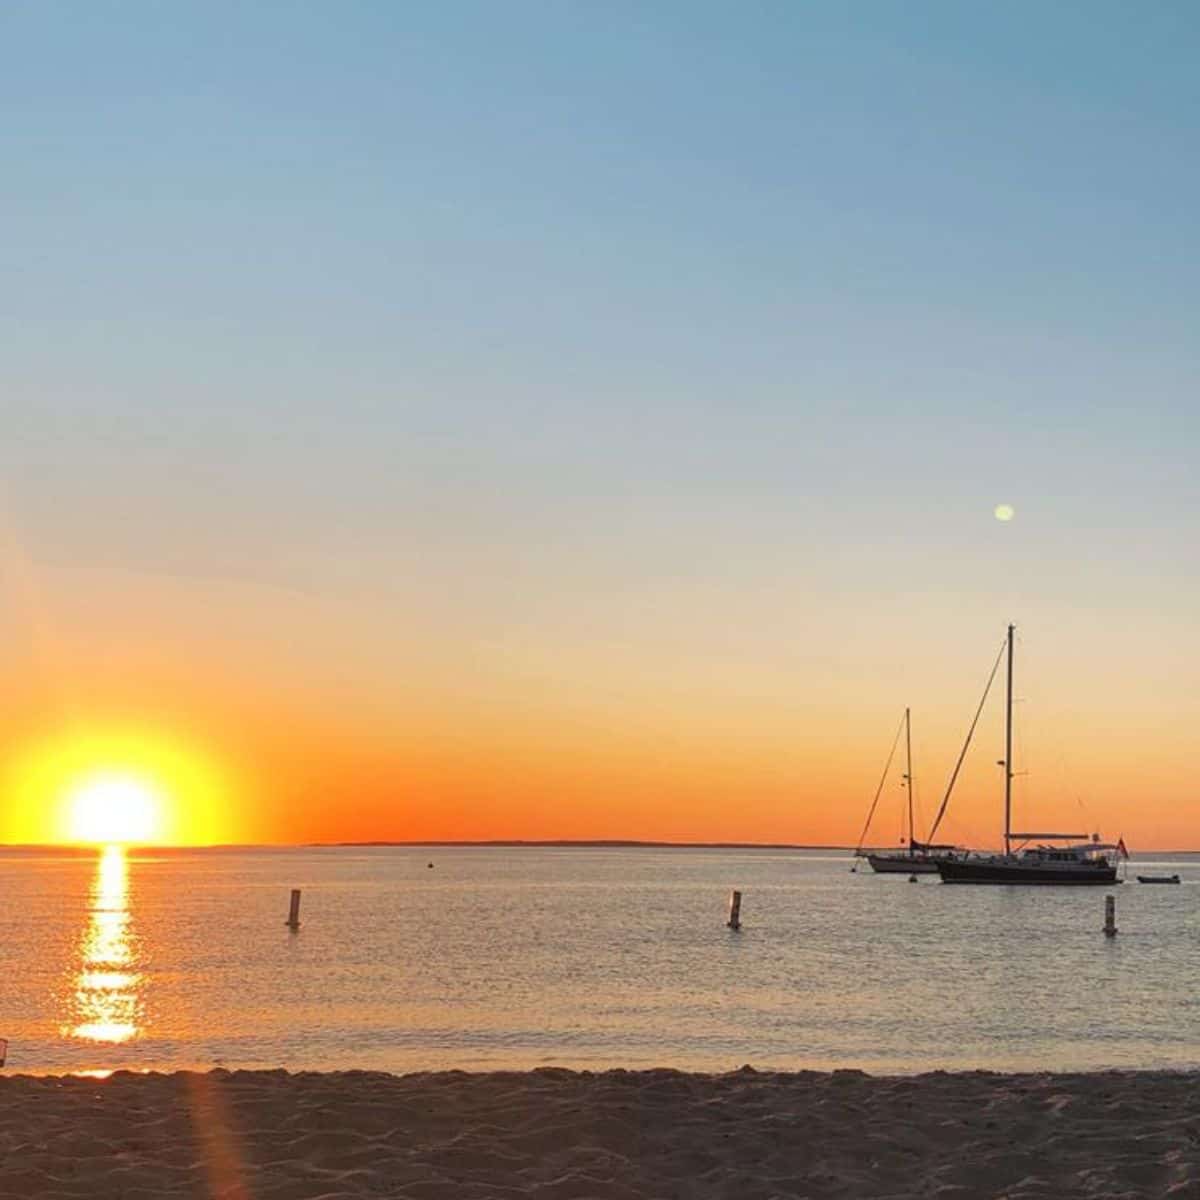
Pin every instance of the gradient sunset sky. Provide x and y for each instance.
(545, 420)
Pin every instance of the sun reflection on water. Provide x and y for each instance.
(105, 1004)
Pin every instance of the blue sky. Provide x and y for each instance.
(571, 326)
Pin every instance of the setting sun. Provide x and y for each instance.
(139, 786)
(115, 809)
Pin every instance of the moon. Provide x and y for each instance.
(1004, 512)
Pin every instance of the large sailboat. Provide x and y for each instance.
(915, 858)
(1032, 858)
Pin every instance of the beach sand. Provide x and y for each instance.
(557, 1135)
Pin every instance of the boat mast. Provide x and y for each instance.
(1008, 771)
(908, 777)
(887, 766)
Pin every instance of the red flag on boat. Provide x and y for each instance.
(1121, 848)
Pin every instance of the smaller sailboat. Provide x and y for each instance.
(916, 858)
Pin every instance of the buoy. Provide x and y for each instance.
(293, 921)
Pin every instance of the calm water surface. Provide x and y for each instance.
(587, 958)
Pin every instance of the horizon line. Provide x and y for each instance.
(594, 843)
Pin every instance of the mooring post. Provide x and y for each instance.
(293, 921)
(1110, 916)
(735, 909)
(3, 1050)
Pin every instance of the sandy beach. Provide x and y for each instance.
(560, 1134)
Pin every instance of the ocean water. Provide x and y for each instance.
(593, 958)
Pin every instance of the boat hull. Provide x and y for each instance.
(999, 871)
(901, 864)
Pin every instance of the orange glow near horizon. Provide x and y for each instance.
(316, 764)
(542, 780)
(600, 725)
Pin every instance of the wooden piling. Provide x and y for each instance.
(1110, 916)
(735, 910)
(3, 1050)
(293, 921)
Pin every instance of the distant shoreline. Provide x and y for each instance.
(601, 844)
(496, 843)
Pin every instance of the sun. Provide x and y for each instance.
(113, 809)
(143, 785)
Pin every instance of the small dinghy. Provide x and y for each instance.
(1158, 879)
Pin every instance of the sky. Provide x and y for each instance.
(571, 420)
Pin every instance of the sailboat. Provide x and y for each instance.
(1079, 860)
(916, 859)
